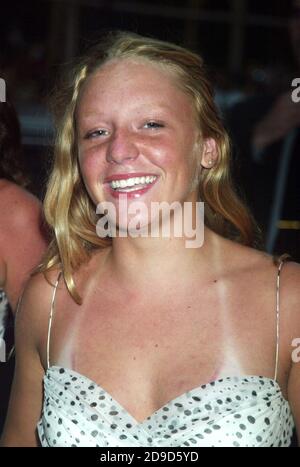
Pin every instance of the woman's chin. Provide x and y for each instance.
(134, 228)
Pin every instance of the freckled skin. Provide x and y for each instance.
(117, 101)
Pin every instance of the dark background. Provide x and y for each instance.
(244, 42)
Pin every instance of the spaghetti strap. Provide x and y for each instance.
(281, 261)
(50, 319)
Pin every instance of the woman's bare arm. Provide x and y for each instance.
(27, 392)
(294, 395)
(22, 241)
(290, 310)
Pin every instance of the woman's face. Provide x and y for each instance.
(137, 137)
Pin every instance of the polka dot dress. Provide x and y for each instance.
(234, 411)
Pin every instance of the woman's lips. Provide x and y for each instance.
(132, 192)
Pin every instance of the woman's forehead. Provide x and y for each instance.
(128, 78)
(136, 64)
(133, 71)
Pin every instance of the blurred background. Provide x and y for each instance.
(252, 49)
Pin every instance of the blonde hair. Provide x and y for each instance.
(70, 212)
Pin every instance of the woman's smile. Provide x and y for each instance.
(132, 185)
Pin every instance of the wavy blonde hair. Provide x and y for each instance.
(69, 210)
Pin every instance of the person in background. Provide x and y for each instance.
(266, 134)
(22, 237)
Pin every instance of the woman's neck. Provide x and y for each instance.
(151, 260)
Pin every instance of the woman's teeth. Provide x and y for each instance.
(131, 182)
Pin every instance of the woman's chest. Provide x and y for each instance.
(160, 340)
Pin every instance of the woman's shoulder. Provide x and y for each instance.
(250, 257)
(241, 257)
(35, 301)
(8, 188)
(40, 284)
(261, 260)
(269, 271)
(17, 205)
(258, 263)
(290, 295)
(20, 212)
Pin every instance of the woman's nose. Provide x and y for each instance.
(121, 148)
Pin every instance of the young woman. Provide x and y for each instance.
(144, 341)
(21, 239)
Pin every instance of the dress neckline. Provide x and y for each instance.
(273, 383)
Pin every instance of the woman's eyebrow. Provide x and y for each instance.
(91, 114)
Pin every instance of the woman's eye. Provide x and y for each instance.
(96, 133)
(153, 125)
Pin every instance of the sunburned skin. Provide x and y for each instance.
(197, 344)
(230, 366)
(75, 348)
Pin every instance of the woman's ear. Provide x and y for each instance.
(209, 153)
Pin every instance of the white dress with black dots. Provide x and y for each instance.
(234, 411)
